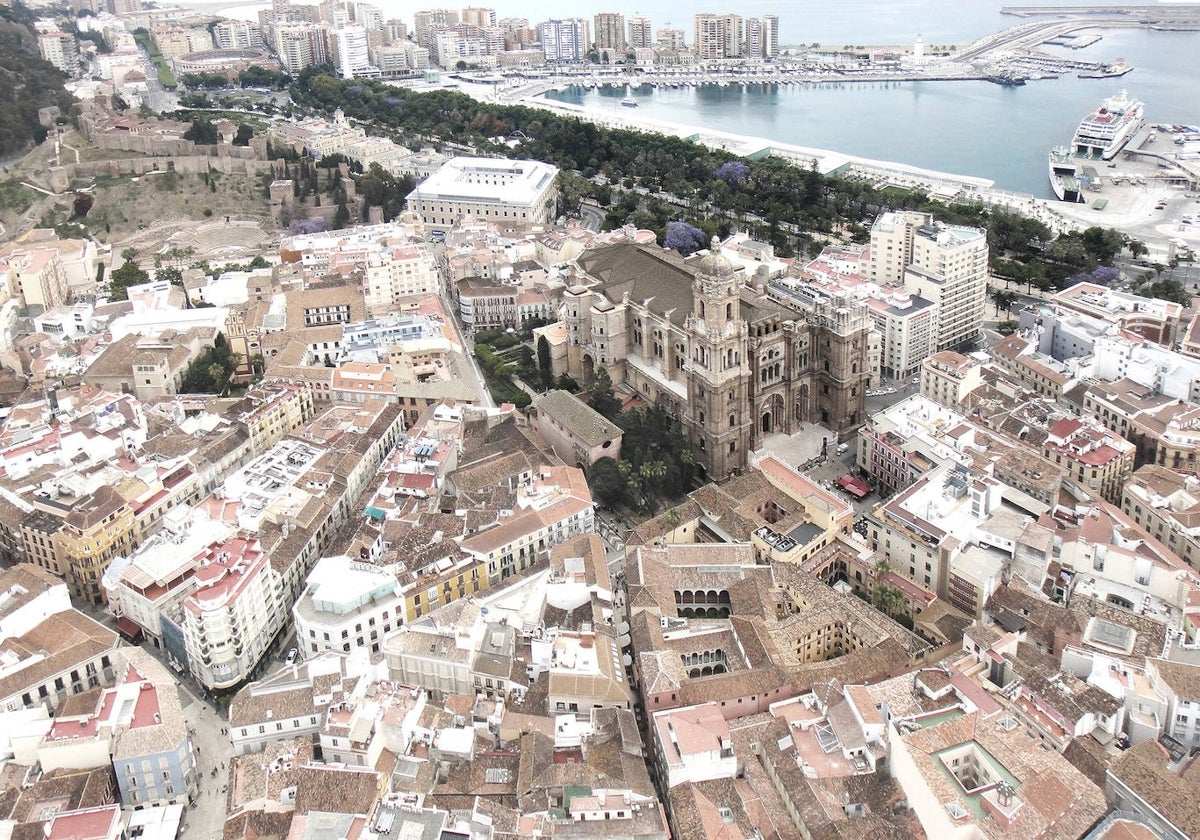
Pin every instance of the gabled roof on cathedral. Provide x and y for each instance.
(644, 273)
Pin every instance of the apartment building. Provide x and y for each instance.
(1166, 504)
(233, 613)
(565, 40)
(1100, 461)
(907, 326)
(609, 31)
(61, 50)
(948, 378)
(347, 604)
(949, 267)
(53, 650)
(692, 744)
(641, 33)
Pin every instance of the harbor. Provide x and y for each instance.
(1012, 56)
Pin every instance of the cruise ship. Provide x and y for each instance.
(1106, 130)
(1065, 177)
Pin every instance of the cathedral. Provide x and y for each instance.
(726, 358)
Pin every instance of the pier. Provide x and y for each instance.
(1141, 12)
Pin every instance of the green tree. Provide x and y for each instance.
(1002, 299)
(244, 133)
(600, 395)
(341, 216)
(543, 358)
(129, 274)
(567, 383)
(607, 482)
(202, 132)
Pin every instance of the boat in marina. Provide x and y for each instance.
(1106, 130)
(629, 102)
(1066, 178)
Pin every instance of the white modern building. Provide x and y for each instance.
(950, 267)
(943, 264)
(155, 579)
(565, 40)
(396, 273)
(692, 744)
(238, 35)
(353, 52)
(516, 192)
(60, 49)
(907, 326)
(234, 612)
(346, 605)
(641, 33)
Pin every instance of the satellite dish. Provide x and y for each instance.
(627, 660)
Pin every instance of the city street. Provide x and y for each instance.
(205, 818)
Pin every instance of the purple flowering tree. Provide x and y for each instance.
(684, 238)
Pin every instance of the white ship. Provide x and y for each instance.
(629, 102)
(1106, 130)
(1065, 177)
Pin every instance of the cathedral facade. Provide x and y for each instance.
(729, 361)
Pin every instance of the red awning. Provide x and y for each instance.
(129, 628)
(853, 486)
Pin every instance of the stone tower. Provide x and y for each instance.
(718, 418)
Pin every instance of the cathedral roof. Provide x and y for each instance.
(645, 274)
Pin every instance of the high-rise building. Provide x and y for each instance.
(718, 36)
(943, 264)
(479, 17)
(60, 49)
(610, 31)
(425, 23)
(565, 40)
(670, 39)
(300, 45)
(353, 51)
(238, 35)
(371, 17)
(125, 7)
(770, 36)
(762, 37)
(641, 33)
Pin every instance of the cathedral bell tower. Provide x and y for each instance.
(719, 417)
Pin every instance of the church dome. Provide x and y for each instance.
(714, 263)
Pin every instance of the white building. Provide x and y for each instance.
(641, 33)
(519, 192)
(565, 40)
(949, 267)
(396, 273)
(233, 614)
(290, 703)
(60, 49)
(353, 53)
(1179, 683)
(347, 604)
(238, 35)
(943, 264)
(693, 744)
(154, 580)
(907, 326)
